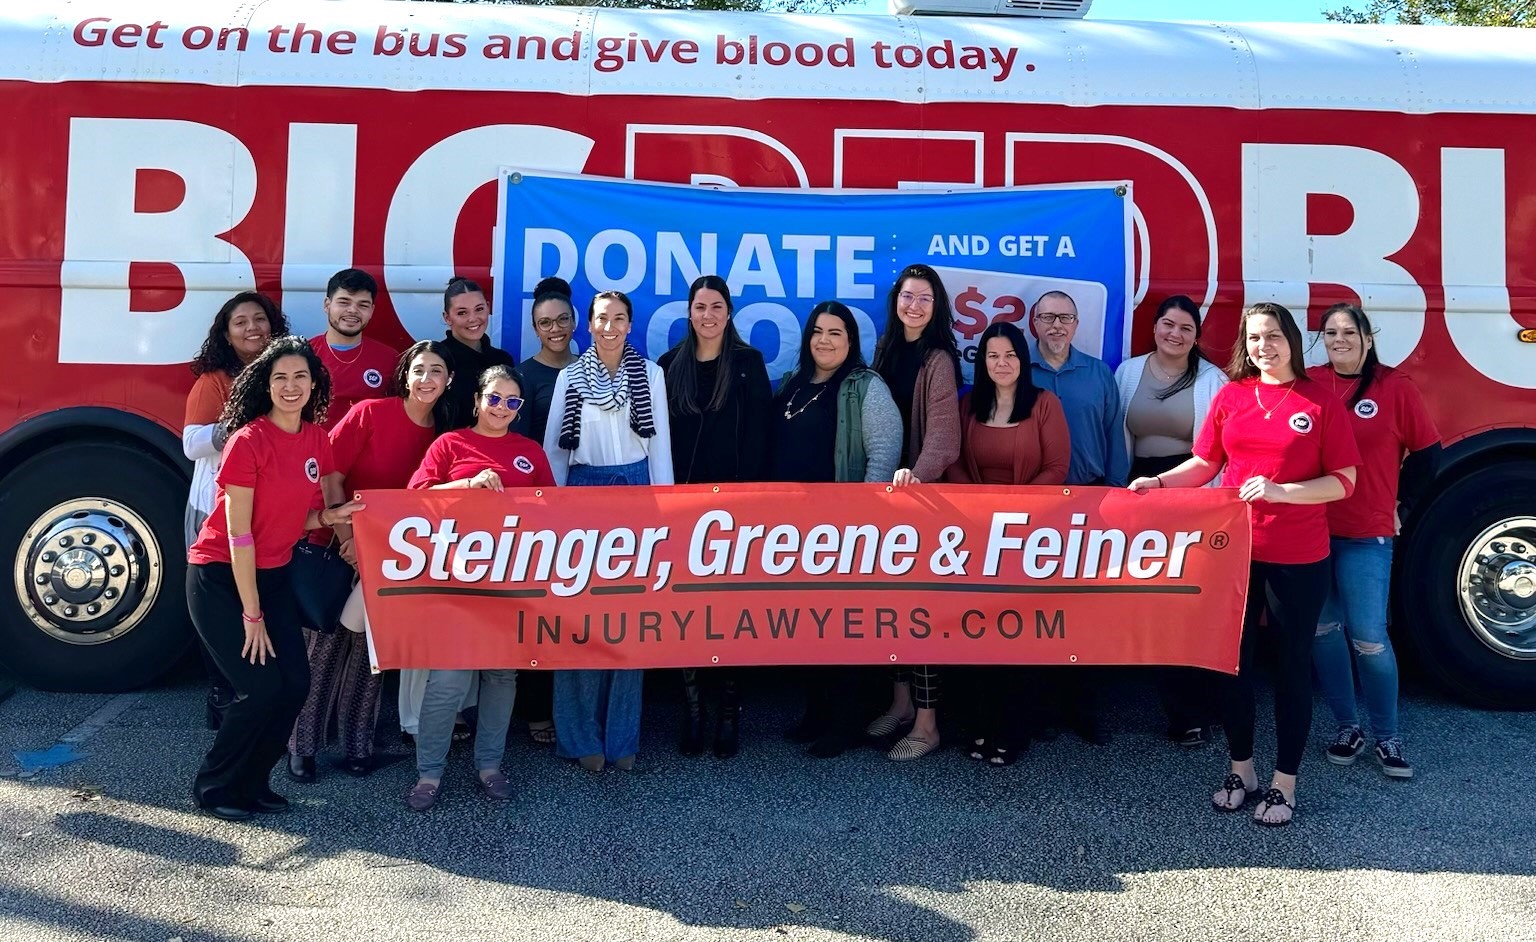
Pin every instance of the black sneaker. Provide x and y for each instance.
(1347, 746)
(1389, 753)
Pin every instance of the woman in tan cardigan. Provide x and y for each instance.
(918, 360)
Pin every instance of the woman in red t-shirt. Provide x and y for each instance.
(1288, 449)
(379, 443)
(1396, 437)
(487, 455)
(269, 493)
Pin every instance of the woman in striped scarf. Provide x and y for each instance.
(607, 426)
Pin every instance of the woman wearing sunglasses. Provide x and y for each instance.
(486, 455)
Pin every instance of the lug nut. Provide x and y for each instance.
(108, 550)
(109, 594)
(70, 611)
(117, 570)
(68, 541)
(88, 539)
(1519, 548)
(49, 557)
(93, 609)
(50, 600)
(41, 579)
(1497, 547)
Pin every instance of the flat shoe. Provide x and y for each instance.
(228, 812)
(592, 763)
(301, 769)
(270, 803)
(911, 748)
(423, 796)
(886, 724)
(495, 786)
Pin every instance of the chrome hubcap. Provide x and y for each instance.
(1497, 582)
(87, 571)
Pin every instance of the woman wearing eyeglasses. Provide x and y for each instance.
(920, 363)
(491, 456)
(554, 320)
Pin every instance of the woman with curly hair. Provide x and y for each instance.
(269, 495)
(240, 331)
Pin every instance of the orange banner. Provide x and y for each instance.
(695, 576)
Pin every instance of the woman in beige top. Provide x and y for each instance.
(1164, 398)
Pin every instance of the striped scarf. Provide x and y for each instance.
(591, 382)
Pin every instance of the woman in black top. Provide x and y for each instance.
(718, 401)
(467, 313)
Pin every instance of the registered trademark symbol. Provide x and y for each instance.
(1219, 540)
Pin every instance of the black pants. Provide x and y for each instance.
(1294, 595)
(268, 696)
(997, 703)
(536, 696)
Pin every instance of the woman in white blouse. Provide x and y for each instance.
(1164, 398)
(607, 426)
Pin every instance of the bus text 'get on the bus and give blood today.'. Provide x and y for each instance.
(608, 53)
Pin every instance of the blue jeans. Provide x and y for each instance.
(1352, 635)
(597, 712)
(441, 702)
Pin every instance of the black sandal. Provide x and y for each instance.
(1274, 798)
(978, 749)
(1234, 783)
(1002, 756)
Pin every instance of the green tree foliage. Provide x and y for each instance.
(1454, 12)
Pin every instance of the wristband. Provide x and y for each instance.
(260, 617)
(244, 539)
(1160, 483)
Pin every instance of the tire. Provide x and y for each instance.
(109, 516)
(1494, 666)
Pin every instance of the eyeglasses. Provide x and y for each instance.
(512, 402)
(564, 320)
(1056, 318)
(918, 300)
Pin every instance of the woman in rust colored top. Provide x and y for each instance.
(1011, 433)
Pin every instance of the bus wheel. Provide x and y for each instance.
(1468, 588)
(93, 535)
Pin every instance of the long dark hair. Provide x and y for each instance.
(683, 372)
(251, 396)
(217, 354)
(938, 335)
(984, 390)
(1369, 362)
(441, 421)
(806, 371)
(1240, 367)
(1183, 302)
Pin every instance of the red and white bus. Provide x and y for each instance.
(162, 156)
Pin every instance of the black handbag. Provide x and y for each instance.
(321, 581)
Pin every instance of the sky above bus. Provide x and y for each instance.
(1224, 11)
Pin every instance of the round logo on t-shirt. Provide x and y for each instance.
(1301, 422)
(373, 378)
(1367, 408)
(312, 470)
(522, 464)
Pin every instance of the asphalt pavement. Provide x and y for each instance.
(1073, 842)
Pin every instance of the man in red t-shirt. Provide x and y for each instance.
(360, 368)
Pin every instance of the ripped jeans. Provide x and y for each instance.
(1352, 635)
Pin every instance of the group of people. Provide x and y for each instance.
(282, 428)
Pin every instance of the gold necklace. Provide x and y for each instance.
(337, 353)
(1270, 412)
(1159, 373)
(1333, 383)
(790, 405)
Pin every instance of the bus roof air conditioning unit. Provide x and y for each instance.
(1053, 8)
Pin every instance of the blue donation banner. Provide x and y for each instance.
(784, 250)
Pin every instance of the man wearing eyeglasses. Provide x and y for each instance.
(1086, 387)
(1091, 400)
(554, 321)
